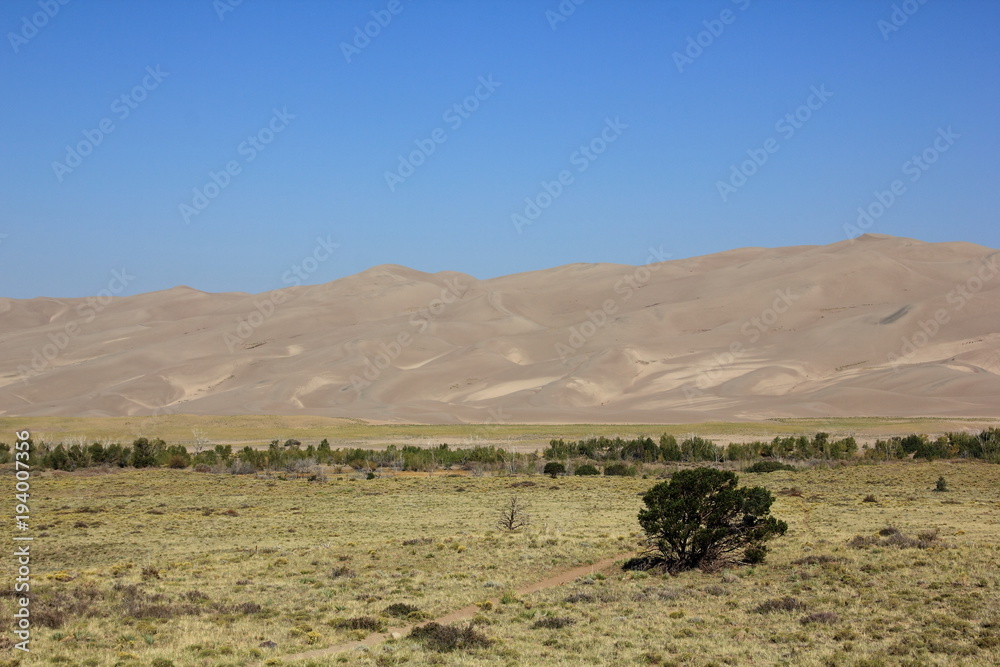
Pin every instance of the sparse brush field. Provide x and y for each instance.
(175, 567)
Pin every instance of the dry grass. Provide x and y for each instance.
(258, 430)
(305, 565)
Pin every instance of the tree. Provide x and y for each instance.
(513, 515)
(669, 449)
(554, 468)
(700, 518)
(144, 452)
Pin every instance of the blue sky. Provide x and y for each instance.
(94, 183)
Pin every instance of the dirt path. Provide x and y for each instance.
(463, 613)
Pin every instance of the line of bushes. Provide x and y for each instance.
(697, 449)
(985, 445)
(145, 453)
(617, 456)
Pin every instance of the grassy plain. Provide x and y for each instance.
(256, 430)
(173, 567)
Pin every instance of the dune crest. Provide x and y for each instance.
(877, 326)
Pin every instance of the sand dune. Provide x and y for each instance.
(879, 326)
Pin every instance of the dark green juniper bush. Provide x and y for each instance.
(700, 518)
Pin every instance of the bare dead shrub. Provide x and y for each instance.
(513, 515)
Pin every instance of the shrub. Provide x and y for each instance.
(342, 571)
(869, 499)
(177, 461)
(892, 537)
(586, 469)
(700, 517)
(941, 485)
(769, 466)
(444, 638)
(779, 604)
(553, 622)
(369, 623)
(619, 470)
(513, 515)
(400, 610)
(554, 468)
(49, 615)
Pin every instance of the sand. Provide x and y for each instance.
(877, 326)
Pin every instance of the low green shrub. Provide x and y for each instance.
(769, 466)
(554, 468)
(619, 470)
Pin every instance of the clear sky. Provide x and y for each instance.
(211, 144)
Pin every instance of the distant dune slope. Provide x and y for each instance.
(875, 326)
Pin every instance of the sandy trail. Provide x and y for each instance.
(463, 613)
